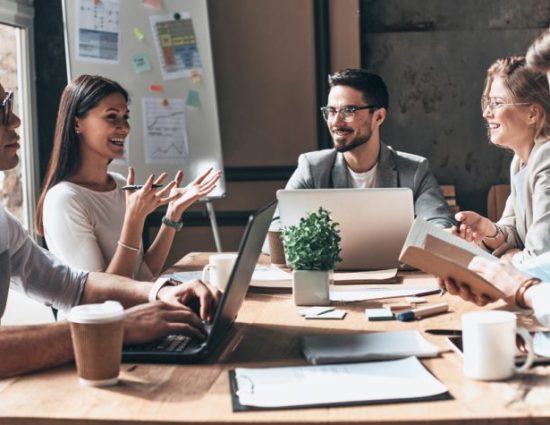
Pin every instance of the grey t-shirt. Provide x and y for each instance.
(29, 269)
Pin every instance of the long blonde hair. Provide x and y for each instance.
(524, 85)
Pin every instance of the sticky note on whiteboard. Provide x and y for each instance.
(193, 99)
(141, 63)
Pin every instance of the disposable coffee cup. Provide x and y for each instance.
(97, 331)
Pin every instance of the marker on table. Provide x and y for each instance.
(445, 332)
(419, 313)
(138, 186)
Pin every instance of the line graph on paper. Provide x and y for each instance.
(164, 131)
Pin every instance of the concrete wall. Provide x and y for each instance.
(433, 55)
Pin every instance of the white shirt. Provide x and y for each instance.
(82, 226)
(518, 180)
(540, 294)
(29, 269)
(363, 180)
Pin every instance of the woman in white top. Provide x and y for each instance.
(516, 108)
(86, 218)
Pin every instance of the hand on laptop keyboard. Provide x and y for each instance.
(195, 294)
(148, 322)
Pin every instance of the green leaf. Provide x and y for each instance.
(314, 243)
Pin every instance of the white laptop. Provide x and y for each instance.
(373, 222)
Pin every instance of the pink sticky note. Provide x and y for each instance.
(155, 4)
(156, 87)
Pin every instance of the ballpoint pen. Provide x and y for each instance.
(139, 186)
(419, 313)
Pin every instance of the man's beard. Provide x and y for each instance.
(354, 144)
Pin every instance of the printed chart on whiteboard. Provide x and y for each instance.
(164, 131)
(176, 45)
(98, 31)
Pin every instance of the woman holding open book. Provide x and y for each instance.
(521, 287)
(516, 108)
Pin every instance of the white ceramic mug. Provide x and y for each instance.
(489, 339)
(218, 270)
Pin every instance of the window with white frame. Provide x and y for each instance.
(18, 186)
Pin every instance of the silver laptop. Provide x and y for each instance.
(373, 222)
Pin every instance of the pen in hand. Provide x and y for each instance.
(139, 186)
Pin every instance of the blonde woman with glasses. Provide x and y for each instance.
(516, 109)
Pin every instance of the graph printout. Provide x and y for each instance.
(164, 131)
(98, 31)
(176, 45)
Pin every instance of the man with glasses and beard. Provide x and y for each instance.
(356, 108)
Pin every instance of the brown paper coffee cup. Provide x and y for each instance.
(276, 248)
(97, 332)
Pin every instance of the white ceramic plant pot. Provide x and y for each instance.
(310, 287)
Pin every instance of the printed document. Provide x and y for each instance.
(336, 384)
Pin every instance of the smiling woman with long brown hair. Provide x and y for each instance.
(86, 218)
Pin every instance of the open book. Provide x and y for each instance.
(435, 251)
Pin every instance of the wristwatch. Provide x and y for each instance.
(175, 224)
(160, 283)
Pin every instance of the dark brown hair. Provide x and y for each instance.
(538, 55)
(81, 94)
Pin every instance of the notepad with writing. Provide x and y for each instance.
(318, 349)
(334, 385)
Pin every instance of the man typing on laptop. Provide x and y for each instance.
(26, 267)
(356, 108)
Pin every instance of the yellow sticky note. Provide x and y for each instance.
(139, 35)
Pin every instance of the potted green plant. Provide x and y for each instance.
(312, 249)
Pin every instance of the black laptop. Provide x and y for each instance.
(182, 349)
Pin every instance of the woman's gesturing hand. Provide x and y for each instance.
(141, 202)
(182, 198)
(473, 227)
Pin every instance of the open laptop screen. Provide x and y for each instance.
(373, 222)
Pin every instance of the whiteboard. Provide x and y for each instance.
(173, 107)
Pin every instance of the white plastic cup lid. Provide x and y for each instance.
(109, 311)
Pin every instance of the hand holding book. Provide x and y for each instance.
(435, 251)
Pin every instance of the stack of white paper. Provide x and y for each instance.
(360, 294)
(336, 384)
(366, 346)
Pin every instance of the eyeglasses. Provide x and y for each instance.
(493, 104)
(347, 112)
(7, 105)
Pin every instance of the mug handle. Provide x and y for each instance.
(207, 269)
(530, 350)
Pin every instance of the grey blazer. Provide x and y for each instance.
(327, 169)
(528, 228)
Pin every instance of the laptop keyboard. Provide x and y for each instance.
(170, 344)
